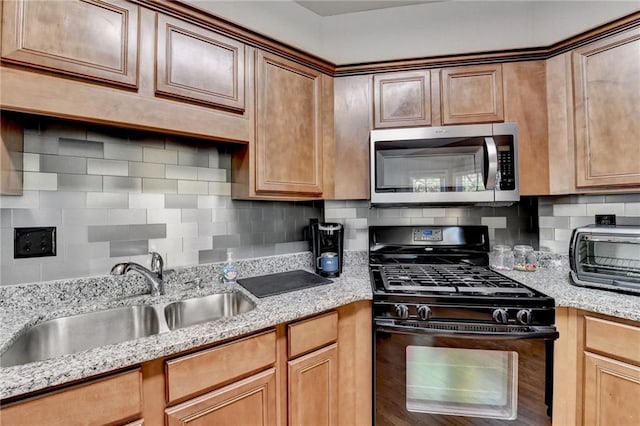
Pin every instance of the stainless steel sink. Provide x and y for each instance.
(189, 312)
(67, 335)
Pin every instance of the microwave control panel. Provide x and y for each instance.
(506, 169)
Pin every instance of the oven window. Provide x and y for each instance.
(462, 382)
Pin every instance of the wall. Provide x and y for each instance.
(560, 215)
(422, 30)
(115, 195)
(517, 224)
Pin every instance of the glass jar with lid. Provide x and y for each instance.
(525, 258)
(501, 258)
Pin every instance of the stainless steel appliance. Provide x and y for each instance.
(452, 164)
(327, 241)
(455, 342)
(606, 257)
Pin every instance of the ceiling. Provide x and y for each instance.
(351, 31)
(332, 8)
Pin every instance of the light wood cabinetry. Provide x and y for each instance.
(472, 94)
(289, 139)
(99, 61)
(251, 401)
(111, 400)
(313, 388)
(525, 103)
(94, 39)
(197, 64)
(11, 155)
(313, 378)
(199, 371)
(603, 387)
(607, 106)
(402, 99)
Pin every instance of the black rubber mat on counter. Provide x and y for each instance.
(272, 284)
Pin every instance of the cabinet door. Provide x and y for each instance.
(525, 103)
(611, 392)
(289, 127)
(95, 39)
(111, 400)
(313, 388)
(251, 401)
(402, 99)
(472, 94)
(607, 107)
(200, 65)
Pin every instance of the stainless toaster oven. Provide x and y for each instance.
(606, 257)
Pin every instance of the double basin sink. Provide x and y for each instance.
(71, 334)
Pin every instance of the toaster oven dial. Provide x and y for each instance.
(424, 312)
(402, 311)
(501, 316)
(524, 316)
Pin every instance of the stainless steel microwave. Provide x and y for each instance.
(441, 165)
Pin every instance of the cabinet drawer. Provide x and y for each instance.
(203, 370)
(111, 400)
(617, 340)
(310, 334)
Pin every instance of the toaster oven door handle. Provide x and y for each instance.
(491, 163)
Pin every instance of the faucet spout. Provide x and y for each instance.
(153, 278)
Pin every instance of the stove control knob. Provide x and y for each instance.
(524, 316)
(424, 312)
(501, 316)
(402, 311)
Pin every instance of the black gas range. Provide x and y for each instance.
(456, 343)
(441, 273)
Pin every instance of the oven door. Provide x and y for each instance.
(451, 376)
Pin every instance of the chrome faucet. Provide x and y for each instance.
(153, 275)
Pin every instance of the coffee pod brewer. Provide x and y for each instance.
(326, 244)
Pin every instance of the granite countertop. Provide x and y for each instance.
(29, 304)
(552, 279)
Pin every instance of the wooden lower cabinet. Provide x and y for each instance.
(313, 388)
(597, 370)
(251, 401)
(115, 399)
(611, 392)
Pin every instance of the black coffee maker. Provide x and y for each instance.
(326, 244)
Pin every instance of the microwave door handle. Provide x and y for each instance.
(491, 167)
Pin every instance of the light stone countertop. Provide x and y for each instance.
(29, 304)
(26, 305)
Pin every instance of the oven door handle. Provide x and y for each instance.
(546, 333)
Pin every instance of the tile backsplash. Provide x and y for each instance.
(114, 195)
(516, 224)
(560, 215)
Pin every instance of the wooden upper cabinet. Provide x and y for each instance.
(402, 99)
(525, 103)
(95, 39)
(472, 94)
(289, 135)
(199, 65)
(607, 107)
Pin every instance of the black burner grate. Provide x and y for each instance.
(448, 278)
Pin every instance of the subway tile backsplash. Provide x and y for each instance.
(116, 194)
(517, 224)
(560, 215)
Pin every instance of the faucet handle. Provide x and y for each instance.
(157, 264)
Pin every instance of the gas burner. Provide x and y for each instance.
(448, 279)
